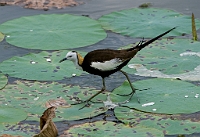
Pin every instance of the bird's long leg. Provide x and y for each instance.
(133, 89)
(103, 88)
(88, 100)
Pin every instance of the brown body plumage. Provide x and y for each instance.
(103, 55)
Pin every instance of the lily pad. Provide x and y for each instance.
(11, 115)
(159, 95)
(52, 32)
(147, 22)
(3, 80)
(32, 98)
(1, 36)
(170, 57)
(106, 128)
(164, 123)
(43, 66)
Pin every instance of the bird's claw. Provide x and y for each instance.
(129, 99)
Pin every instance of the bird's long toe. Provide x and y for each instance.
(125, 94)
(79, 102)
(129, 98)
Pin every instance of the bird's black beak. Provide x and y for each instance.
(62, 60)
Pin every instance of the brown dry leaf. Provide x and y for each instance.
(40, 4)
(6, 135)
(59, 102)
(47, 127)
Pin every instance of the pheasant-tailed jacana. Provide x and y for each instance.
(104, 62)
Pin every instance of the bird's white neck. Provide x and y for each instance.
(78, 66)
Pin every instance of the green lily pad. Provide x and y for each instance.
(169, 57)
(43, 66)
(35, 97)
(11, 115)
(52, 32)
(147, 22)
(3, 80)
(2, 128)
(106, 128)
(166, 96)
(164, 123)
(1, 36)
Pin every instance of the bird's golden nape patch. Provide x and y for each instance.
(80, 59)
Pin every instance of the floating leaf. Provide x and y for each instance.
(1, 36)
(52, 32)
(170, 57)
(103, 128)
(11, 115)
(158, 95)
(2, 128)
(32, 97)
(147, 22)
(43, 66)
(3, 80)
(164, 123)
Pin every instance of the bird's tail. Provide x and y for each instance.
(141, 44)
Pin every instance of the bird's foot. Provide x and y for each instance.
(86, 102)
(129, 99)
(130, 92)
(124, 94)
(131, 95)
(81, 102)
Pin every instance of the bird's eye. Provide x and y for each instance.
(69, 56)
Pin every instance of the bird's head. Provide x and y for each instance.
(71, 55)
(75, 57)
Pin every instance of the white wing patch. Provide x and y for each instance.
(107, 65)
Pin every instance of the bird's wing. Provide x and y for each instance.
(106, 60)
